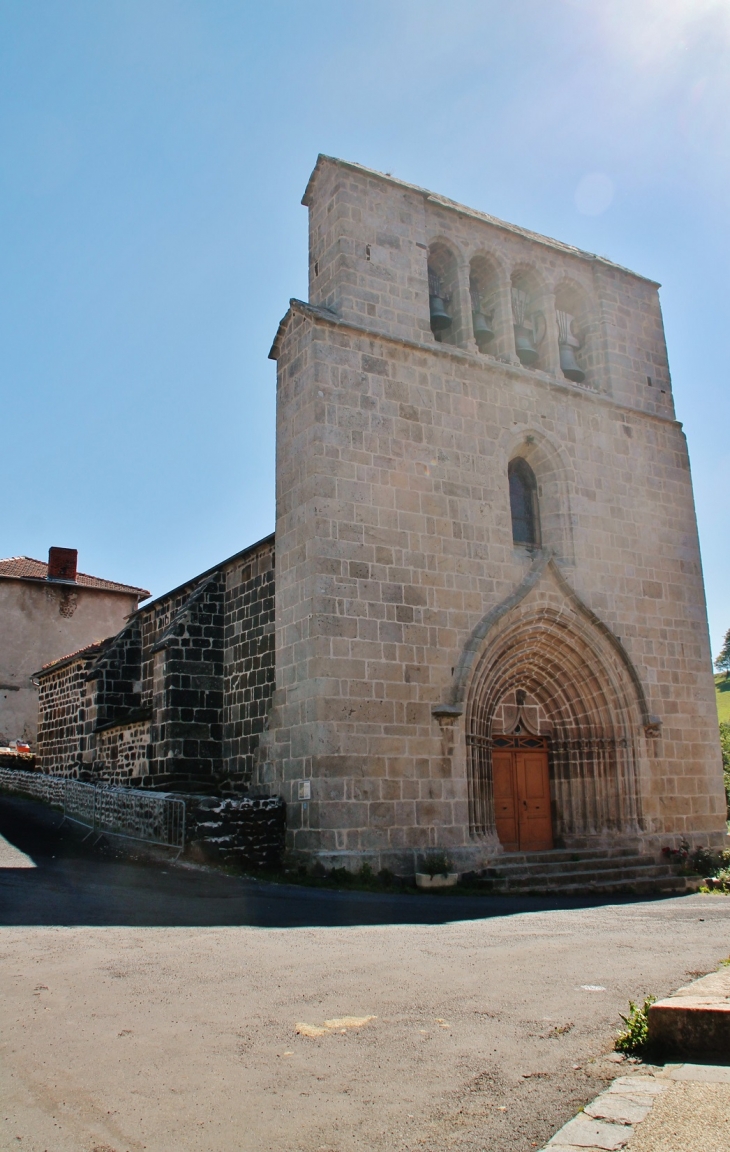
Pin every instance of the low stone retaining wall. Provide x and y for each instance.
(242, 830)
(22, 761)
(50, 789)
(245, 830)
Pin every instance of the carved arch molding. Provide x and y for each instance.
(544, 642)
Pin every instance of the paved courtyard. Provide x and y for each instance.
(467, 1034)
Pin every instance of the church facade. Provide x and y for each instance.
(490, 616)
(489, 629)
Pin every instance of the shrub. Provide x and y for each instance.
(632, 1039)
(725, 745)
(436, 864)
(720, 882)
(700, 861)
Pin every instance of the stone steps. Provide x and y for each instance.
(569, 885)
(594, 864)
(581, 871)
(558, 855)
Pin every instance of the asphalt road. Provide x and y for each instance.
(474, 1034)
(69, 883)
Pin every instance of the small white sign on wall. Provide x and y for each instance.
(305, 789)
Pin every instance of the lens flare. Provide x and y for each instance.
(594, 194)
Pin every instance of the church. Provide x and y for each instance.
(480, 625)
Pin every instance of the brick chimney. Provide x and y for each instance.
(62, 563)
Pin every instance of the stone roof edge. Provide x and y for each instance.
(473, 213)
(195, 596)
(208, 572)
(305, 309)
(280, 331)
(96, 648)
(314, 312)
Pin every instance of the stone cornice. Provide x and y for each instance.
(516, 372)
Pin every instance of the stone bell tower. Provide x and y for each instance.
(490, 618)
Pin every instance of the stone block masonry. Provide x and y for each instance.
(65, 728)
(407, 609)
(178, 699)
(186, 731)
(249, 831)
(124, 749)
(248, 661)
(487, 630)
(694, 1022)
(234, 830)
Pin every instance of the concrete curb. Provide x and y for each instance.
(694, 1020)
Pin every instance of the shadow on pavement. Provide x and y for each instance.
(66, 883)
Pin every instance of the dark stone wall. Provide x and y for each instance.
(66, 718)
(22, 761)
(249, 671)
(122, 753)
(195, 668)
(116, 676)
(236, 830)
(186, 730)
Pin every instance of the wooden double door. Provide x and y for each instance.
(522, 793)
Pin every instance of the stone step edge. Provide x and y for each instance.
(694, 1020)
(567, 853)
(661, 884)
(678, 882)
(649, 872)
(566, 866)
(587, 858)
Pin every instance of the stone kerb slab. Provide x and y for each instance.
(695, 1020)
(608, 1122)
(684, 1105)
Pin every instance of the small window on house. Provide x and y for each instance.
(523, 503)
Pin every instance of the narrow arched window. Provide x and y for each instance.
(523, 503)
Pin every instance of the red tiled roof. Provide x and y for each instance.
(25, 568)
(92, 649)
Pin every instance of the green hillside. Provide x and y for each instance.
(722, 691)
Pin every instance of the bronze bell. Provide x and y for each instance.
(570, 367)
(440, 318)
(483, 332)
(524, 347)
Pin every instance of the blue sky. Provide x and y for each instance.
(152, 160)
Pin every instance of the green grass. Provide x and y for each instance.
(722, 692)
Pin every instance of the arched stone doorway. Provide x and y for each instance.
(549, 663)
